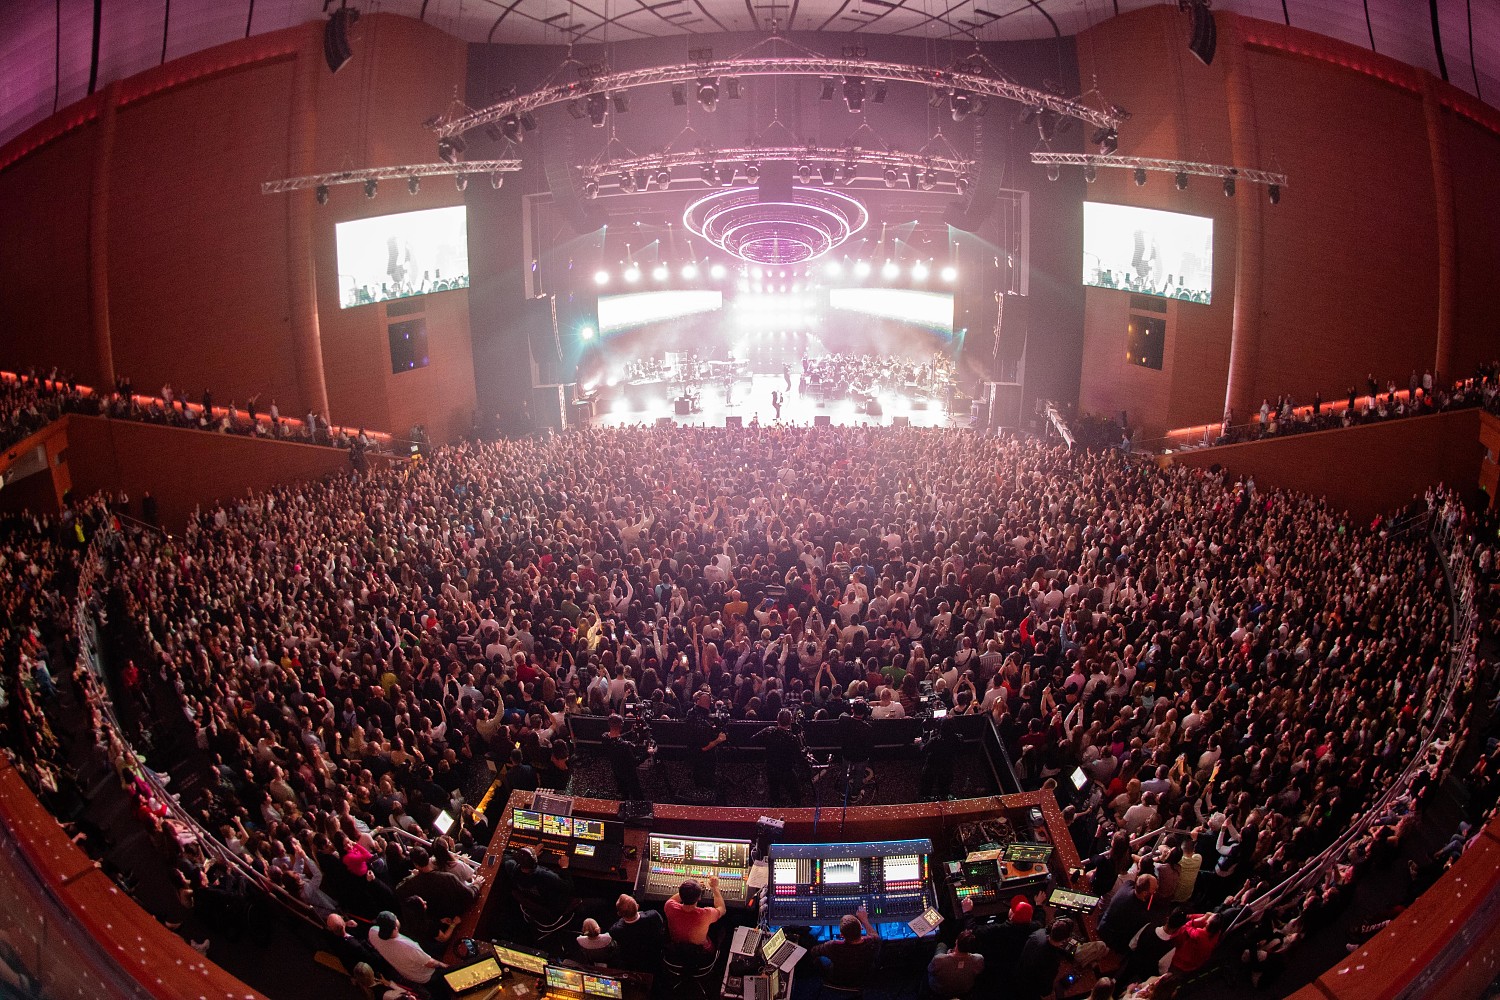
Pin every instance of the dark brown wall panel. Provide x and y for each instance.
(197, 275)
(1350, 254)
(1364, 470)
(1474, 156)
(44, 257)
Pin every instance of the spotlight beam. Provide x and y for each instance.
(391, 173)
(1251, 174)
(804, 65)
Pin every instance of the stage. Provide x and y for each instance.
(750, 399)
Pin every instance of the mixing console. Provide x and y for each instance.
(671, 860)
(820, 883)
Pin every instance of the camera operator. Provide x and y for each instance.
(939, 755)
(624, 756)
(857, 740)
(704, 738)
(786, 760)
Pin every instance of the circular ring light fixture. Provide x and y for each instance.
(813, 222)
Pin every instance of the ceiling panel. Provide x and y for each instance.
(131, 36)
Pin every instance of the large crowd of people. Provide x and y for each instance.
(30, 401)
(1247, 669)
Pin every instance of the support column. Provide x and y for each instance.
(307, 338)
(1442, 192)
(1244, 344)
(101, 342)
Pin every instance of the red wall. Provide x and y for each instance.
(1365, 470)
(182, 468)
(1474, 159)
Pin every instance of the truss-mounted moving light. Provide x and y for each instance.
(1053, 172)
(960, 104)
(804, 173)
(889, 177)
(1140, 176)
(827, 173)
(591, 188)
(708, 92)
(663, 178)
(597, 106)
(371, 186)
(1182, 180)
(1107, 140)
(622, 101)
(322, 193)
(827, 86)
(752, 172)
(451, 149)
(679, 95)
(461, 181)
(413, 184)
(1229, 185)
(511, 128)
(709, 173)
(854, 93)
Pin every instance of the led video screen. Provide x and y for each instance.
(396, 256)
(633, 310)
(931, 311)
(1148, 252)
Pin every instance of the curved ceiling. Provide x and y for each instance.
(45, 47)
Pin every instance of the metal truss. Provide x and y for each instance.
(799, 65)
(1251, 174)
(814, 156)
(390, 173)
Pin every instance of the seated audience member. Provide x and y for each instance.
(401, 953)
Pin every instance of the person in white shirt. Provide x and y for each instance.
(889, 707)
(402, 953)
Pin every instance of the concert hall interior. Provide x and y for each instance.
(782, 500)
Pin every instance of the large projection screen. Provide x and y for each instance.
(1148, 252)
(395, 256)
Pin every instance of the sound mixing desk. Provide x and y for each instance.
(592, 845)
(671, 859)
(818, 884)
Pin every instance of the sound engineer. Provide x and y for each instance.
(687, 921)
(851, 955)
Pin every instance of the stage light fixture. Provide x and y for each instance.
(731, 88)
(1182, 180)
(598, 107)
(833, 269)
(371, 186)
(1090, 172)
(586, 333)
(960, 104)
(322, 193)
(717, 272)
(708, 173)
(1273, 191)
(1053, 173)
(689, 272)
(621, 100)
(591, 188)
(461, 181)
(726, 175)
(642, 180)
(413, 184)
(627, 183)
(679, 94)
(575, 111)
(962, 182)
(663, 178)
(708, 93)
(757, 273)
(851, 171)
(890, 271)
(660, 272)
(827, 172)
(528, 121)
(1106, 139)
(854, 93)
(889, 177)
(919, 271)
(804, 173)
(632, 274)
(862, 269)
(511, 128)
(601, 277)
(497, 180)
(828, 85)
(879, 94)
(949, 273)
(451, 149)
(1229, 184)
(929, 179)
(1140, 176)
(913, 178)
(752, 172)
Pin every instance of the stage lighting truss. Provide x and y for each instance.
(1176, 167)
(408, 173)
(942, 170)
(813, 222)
(974, 79)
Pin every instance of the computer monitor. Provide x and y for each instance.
(557, 826)
(588, 829)
(443, 823)
(583, 850)
(565, 980)
(471, 976)
(602, 986)
(525, 819)
(841, 871)
(1079, 778)
(1034, 853)
(514, 958)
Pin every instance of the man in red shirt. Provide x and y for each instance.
(1196, 943)
(687, 922)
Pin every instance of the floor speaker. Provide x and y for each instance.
(734, 422)
(822, 420)
(901, 421)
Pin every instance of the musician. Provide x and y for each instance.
(786, 760)
(705, 736)
(624, 756)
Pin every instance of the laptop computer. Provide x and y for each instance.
(780, 952)
(476, 981)
(765, 987)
